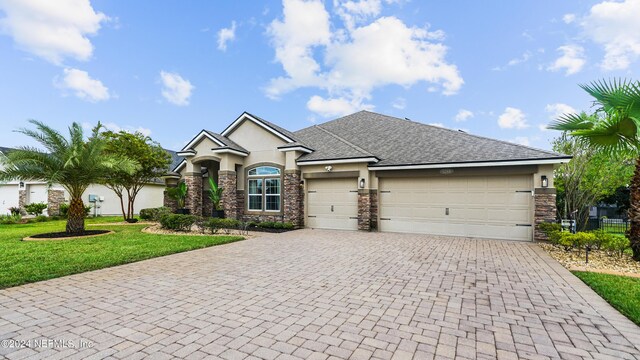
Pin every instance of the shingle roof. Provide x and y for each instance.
(175, 159)
(227, 142)
(403, 142)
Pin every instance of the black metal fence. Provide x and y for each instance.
(614, 226)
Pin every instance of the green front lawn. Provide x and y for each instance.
(622, 292)
(24, 262)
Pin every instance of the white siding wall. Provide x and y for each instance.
(8, 197)
(150, 196)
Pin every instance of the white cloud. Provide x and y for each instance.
(225, 35)
(520, 140)
(440, 125)
(357, 59)
(569, 18)
(572, 59)
(335, 106)
(615, 26)
(83, 86)
(399, 103)
(512, 118)
(175, 89)
(463, 115)
(52, 30)
(353, 12)
(524, 58)
(558, 109)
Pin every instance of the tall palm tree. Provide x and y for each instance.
(615, 129)
(74, 163)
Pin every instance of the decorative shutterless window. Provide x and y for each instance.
(264, 189)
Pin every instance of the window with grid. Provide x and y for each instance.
(264, 189)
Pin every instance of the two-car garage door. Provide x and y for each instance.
(498, 207)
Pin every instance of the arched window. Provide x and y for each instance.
(264, 189)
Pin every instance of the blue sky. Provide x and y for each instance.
(170, 68)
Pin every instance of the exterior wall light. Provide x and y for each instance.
(544, 181)
(21, 185)
(361, 183)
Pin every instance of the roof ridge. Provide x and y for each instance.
(345, 141)
(465, 133)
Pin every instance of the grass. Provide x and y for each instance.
(622, 292)
(24, 262)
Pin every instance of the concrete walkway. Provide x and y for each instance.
(313, 294)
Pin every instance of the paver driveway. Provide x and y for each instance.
(316, 294)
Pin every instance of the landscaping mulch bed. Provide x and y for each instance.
(599, 261)
(66, 236)
(157, 229)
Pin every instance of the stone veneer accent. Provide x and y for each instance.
(228, 180)
(293, 198)
(194, 192)
(22, 200)
(54, 199)
(545, 210)
(364, 209)
(373, 194)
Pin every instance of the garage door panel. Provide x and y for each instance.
(489, 206)
(332, 204)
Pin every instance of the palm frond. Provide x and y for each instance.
(572, 122)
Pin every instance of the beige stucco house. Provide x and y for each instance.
(368, 171)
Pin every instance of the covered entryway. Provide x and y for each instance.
(497, 207)
(332, 204)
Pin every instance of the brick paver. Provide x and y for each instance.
(313, 294)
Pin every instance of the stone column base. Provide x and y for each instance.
(293, 198)
(194, 192)
(544, 211)
(229, 200)
(54, 199)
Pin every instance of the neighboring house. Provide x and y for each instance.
(368, 171)
(21, 193)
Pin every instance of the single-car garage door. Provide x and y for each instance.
(332, 204)
(8, 197)
(497, 207)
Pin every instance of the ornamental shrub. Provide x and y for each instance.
(547, 228)
(35, 208)
(616, 244)
(177, 222)
(154, 214)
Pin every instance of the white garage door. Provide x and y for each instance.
(497, 207)
(332, 204)
(8, 197)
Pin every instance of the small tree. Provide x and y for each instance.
(587, 178)
(215, 194)
(153, 162)
(616, 131)
(74, 163)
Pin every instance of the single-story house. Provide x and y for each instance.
(106, 202)
(369, 171)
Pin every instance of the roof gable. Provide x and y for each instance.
(279, 132)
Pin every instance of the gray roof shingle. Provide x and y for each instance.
(403, 142)
(227, 142)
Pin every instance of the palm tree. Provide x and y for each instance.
(74, 163)
(614, 130)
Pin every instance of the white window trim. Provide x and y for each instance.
(264, 194)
